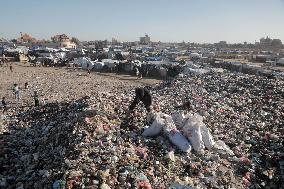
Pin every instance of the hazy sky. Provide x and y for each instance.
(127, 20)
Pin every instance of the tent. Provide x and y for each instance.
(98, 65)
(281, 61)
(109, 63)
(83, 62)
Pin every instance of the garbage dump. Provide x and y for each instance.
(234, 120)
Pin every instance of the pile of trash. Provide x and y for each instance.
(244, 111)
(211, 130)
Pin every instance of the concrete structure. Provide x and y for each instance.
(26, 38)
(68, 45)
(145, 40)
(281, 62)
(268, 42)
(60, 38)
(63, 41)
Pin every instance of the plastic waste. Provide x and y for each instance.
(155, 127)
(143, 182)
(105, 186)
(207, 138)
(178, 119)
(192, 130)
(171, 155)
(58, 184)
(221, 145)
(180, 141)
(179, 186)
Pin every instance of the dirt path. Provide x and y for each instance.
(60, 84)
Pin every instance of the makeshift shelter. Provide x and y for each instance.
(98, 65)
(84, 62)
(281, 62)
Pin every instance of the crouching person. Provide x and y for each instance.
(143, 95)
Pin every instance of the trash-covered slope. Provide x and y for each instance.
(88, 143)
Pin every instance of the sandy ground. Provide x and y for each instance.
(62, 84)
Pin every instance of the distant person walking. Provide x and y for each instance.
(4, 105)
(11, 67)
(137, 72)
(74, 66)
(16, 91)
(3, 59)
(88, 68)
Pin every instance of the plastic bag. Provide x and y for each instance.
(192, 130)
(169, 124)
(207, 138)
(221, 145)
(180, 141)
(155, 127)
(178, 186)
(178, 118)
(151, 116)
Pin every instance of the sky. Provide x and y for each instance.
(202, 21)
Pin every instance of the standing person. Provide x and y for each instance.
(11, 67)
(137, 72)
(36, 99)
(88, 68)
(4, 105)
(26, 85)
(3, 59)
(74, 67)
(16, 91)
(142, 94)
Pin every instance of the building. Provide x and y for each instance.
(114, 41)
(26, 38)
(265, 42)
(222, 44)
(60, 38)
(68, 45)
(268, 42)
(64, 41)
(145, 40)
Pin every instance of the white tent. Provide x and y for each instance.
(280, 61)
(83, 62)
(98, 65)
(195, 55)
(109, 63)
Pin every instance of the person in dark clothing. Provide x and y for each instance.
(142, 94)
(26, 85)
(11, 68)
(36, 99)
(4, 104)
(88, 68)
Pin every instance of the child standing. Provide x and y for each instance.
(4, 105)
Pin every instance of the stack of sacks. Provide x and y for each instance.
(195, 130)
(164, 123)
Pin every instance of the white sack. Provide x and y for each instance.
(169, 124)
(155, 127)
(180, 141)
(207, 137)
(192, 131)
(179, 119)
